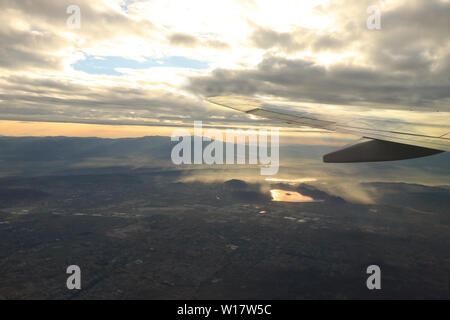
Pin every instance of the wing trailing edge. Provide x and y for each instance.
(389, 135)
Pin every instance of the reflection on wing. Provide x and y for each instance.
(410, 134)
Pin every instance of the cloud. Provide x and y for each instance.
(184, 40)
(314, 52)
(303, 80)
(35, 35)
(406, 63)
(31, 98)
(296, 41)
(189, 41)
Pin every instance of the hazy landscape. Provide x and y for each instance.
(153, 230)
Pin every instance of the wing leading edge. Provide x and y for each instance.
(391, 136)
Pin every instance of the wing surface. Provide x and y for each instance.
(427, 131)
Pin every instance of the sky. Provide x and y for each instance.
(152, 63)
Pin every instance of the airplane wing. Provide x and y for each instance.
(387, 134)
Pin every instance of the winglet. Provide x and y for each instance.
(372, 150)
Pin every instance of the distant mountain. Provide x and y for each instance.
(241, 191)
(75, 149)
(316, 194)
(31, 156)
(48, 155)
(415, 196)
(235, 184)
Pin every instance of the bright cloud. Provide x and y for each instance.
(152, 62)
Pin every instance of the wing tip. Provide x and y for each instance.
(373, 150)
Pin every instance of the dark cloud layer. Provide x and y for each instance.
(305, 81)
(407, 62)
